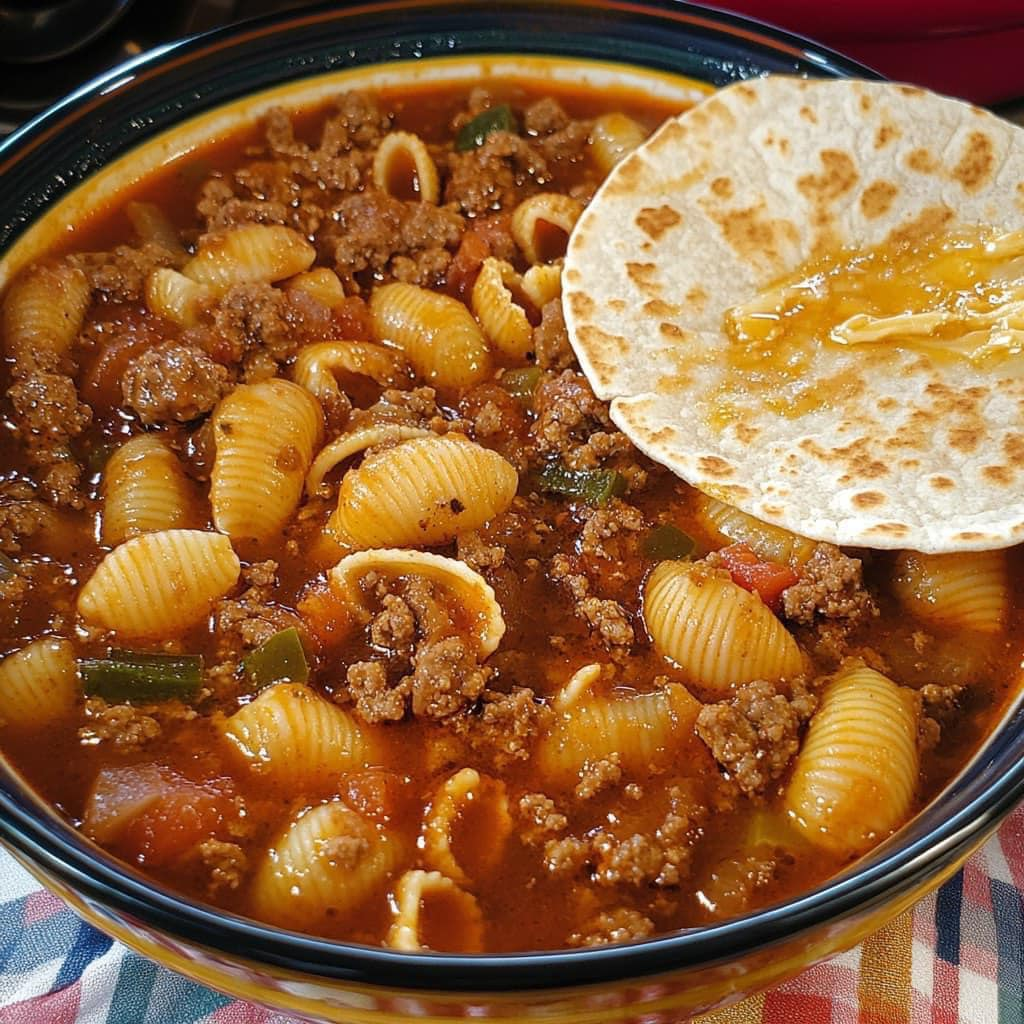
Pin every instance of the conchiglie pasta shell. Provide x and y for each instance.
(293, 737)
(176, 297)
(970, 590)
(43, 312)
(536, 219)
(265, 435)
(144, 489)
(438, 333)
(159, 584)
(316, 365)
(249, 253)
(321, 284)
(402, 168)
(855, 776)
(328, 863)
(542, 283)
(463, 921)
(38, 684)
(504, 322)
(612, 137)
(473, 592)
(423, 492)
(466, 860)
(731, 526)
(352, 442)
(716, 632)
(646, 731)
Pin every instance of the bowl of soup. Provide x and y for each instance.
(335, 668)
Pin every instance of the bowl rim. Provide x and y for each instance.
(55, 847)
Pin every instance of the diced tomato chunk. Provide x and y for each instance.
(766, 579)
(151, 814)
(351, 319)
(463, 270)
(377, 794)
(328, 618)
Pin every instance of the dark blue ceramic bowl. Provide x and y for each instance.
(663, 979)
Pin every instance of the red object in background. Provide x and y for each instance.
(967, 48)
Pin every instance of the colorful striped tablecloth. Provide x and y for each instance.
(957, 958)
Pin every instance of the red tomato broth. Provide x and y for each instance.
(525, 905)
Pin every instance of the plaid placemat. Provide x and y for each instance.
(957, 958)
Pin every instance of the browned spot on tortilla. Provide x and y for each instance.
(965, 439)
(976, 162)
(598, 343)
(772, 510)
(784, 146)
(581, 304)
(997, 474)
(655, 221)
(970, 535)
(722, 187)
(910, 463)
(877, 199)
(669, 135)
(746, 92)
(617, 305)
(697, 297)
(941, 483)
(755, 236)
(910, 90)
(671, 330)
(1013, 449)
(572, 276)
(886, 403)
(923, 161)
(929, 221)
(1020, 195)
(663, 435)
(644, 275)
(714, 466)
(627, 175)
(660, 308)
(746, 433)
(808, 114)
(646, 247)
(894, 530)
(838, 176)
(887, 132)
(855, 458)
(869, 499)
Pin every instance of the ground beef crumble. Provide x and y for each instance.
(558, 135)
(619, 925)
(21, 515)
(128, 727)
(245, 622)
(539, 819)
(497, 175)
(607, 618)
(48, 415)
(173, 382)
(661, 858)
(831, 585)
(755, 734)
(226, 863)
(598, 776)
(503, 726)
(408, 241)
(121, 274)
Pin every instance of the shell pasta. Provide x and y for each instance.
(334, 595)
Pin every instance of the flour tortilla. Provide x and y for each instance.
(739, 192)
